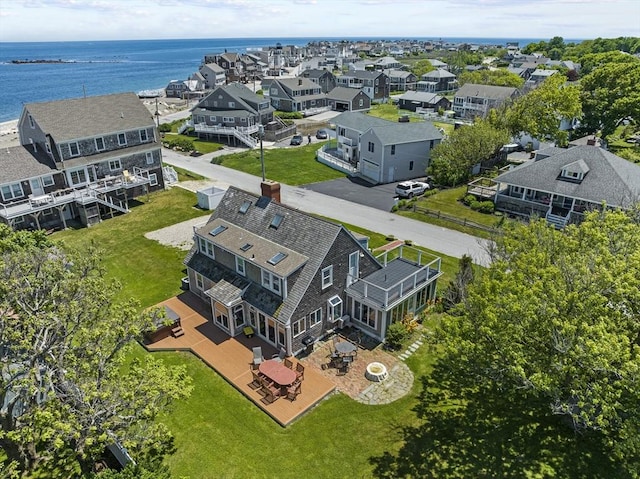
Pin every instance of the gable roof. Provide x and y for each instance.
(485, 91)
(315, 73)
(298, 83)
(608, 177)
(438, 73)
(358, 121)
(77, 118)
(397, 133)
(21, 162)
(344, 93)
(308, 240)
(421, 96)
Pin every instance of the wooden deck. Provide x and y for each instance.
(232, 358)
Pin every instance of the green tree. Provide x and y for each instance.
(611, 93)
(421, 67)
(64, 378)
(499, 77)
(556, 319)
(539, 112)
(452, 160)
(456, 291)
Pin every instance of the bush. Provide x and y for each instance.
(289, 115)
(180, 144)
(482, 206)
(390, 238)
(469, 199)
(396, 334)
(164, 128)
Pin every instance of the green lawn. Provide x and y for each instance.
(202, 146)
(147, 270)
(446, 201)
(292, 166)
(186, 175)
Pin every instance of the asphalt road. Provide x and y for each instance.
(443, 240)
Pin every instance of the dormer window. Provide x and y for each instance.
(575, 171)
(143, 136)
(100, 144)
(74, 150)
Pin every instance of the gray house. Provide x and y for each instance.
(384, 151)
(401, 80)
(472, 100)
(348, 99)
(296, 94)
(233, 111)
(79, 160)
(213, 75)
(561, 184)
(375, 84)
(412, 100)
(437, 80)
(324, 78)
(294, 277)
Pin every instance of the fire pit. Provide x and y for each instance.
(376, 372)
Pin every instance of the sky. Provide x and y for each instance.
(67, 20)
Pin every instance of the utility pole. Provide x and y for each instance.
(261, 134)
(157, 114)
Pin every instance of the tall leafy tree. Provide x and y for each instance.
(556, 319)
(539, 112)
(499, 77)
(67, 387)
(421, 67)
(453, 159)
(611, 92)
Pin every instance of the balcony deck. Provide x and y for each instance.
(232, 358)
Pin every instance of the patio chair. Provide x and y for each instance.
(257, 356)
(269, 397)
(280, 355)
(288, 363)
(300, 371)
(256, 383)
(293, 391)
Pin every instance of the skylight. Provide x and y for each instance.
(217, 230)
(277, 258)
(245, 206)
(246, 247)
(276, 221)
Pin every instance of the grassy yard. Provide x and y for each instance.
(446, 201)
(147, 270)
(186, 175)
(202, 146)
(292, 166)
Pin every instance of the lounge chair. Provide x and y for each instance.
(280, 355)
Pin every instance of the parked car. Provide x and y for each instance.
(296, 140)
(409, 189)
(321, 135)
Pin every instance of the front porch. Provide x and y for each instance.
(231, 357)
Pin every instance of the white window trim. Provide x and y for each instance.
(153, 178)
(145, 134)
(301, 327)
(71, 154)
(115, 165)
(12, 195)
(199, 281)
(149, 157)
(241, 266)
(48, 180)
(124, 138)
(104, 146)
(315, 317)
(268, 281)
(32, 123)
(327, 280)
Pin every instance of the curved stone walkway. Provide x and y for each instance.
(397, 385)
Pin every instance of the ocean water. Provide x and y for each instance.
(102, 67)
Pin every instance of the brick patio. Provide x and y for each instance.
(232, 357)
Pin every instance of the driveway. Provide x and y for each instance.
(356, 190)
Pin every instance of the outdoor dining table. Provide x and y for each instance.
(345, 347)
(277, 372)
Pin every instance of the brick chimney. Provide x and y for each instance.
(271, 189)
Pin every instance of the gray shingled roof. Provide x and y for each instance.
(485, 91)
(396, 133)
(389, 132)
(307, 235)
(610, 178)
(343, 93)
(437, 74)
(92, 116)
(421, 96)
(21, 163)
(298, 83)
(358, 121)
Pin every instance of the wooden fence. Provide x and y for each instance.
(453, 219)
